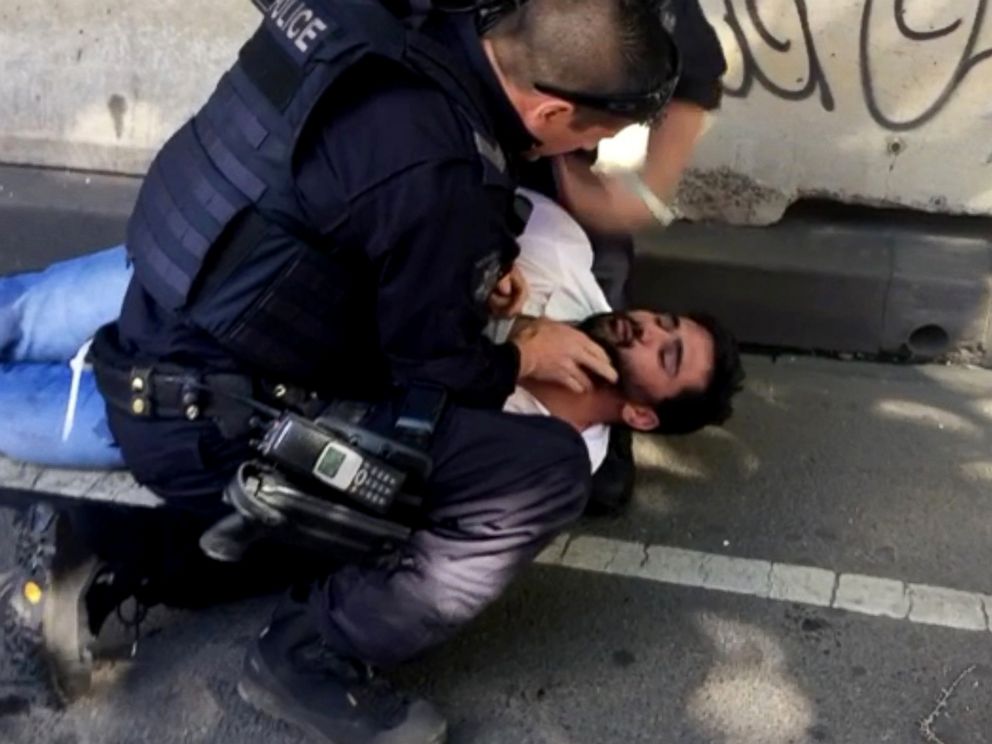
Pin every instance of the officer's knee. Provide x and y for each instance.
(562, 480)
(536, 477)
(580, 476)
(454, 608)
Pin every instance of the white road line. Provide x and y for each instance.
(866, 595)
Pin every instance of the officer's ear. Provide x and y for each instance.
(552, 114)
(639, 417)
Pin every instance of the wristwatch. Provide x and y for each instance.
(658, 209)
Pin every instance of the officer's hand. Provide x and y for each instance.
(509, 295)
(600, 202)
(555, 352)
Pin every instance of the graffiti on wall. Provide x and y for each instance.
(815, 81)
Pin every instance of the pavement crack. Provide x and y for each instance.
(835, 590)
(647, 555)
(705, 570)
(768, 579)
(569, 539)
(610, 561)
(983, 602)
(910, 600)
(926, 725)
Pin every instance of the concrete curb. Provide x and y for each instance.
(48, 214)
(834, 279)
(827, 278)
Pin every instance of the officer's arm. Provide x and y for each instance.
(671, 144)
(391, 178)
(673, 140)
(608, 203)
(438, 248)
(437, 259)
(522, 323)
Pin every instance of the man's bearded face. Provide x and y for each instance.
(657, 355)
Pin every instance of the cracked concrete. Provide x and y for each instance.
(833, 592)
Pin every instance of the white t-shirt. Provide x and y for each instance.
(556, 259)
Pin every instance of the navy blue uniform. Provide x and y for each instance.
(703, 61)
(412, 248)
(395, 190)
(412, 254)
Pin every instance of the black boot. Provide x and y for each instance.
(613, 483)
(58, 597)
(292, 675)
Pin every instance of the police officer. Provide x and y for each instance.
(338, 220)
(625, 203)
(612, 207)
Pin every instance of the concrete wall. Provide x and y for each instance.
(867, 101)
(837, 98)
(100, 84)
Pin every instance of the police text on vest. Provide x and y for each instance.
(299, 22)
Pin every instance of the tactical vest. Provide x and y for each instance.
(217, 236)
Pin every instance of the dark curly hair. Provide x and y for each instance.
(713, 405)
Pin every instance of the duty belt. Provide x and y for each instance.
(169, 391)
(339, 477)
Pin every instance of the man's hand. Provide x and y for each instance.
(555, 352)
(509, 295)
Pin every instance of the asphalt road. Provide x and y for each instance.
(833, 471)
(853, 468)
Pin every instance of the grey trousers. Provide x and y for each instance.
(503, 486)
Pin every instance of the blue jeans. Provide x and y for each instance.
(45, 317)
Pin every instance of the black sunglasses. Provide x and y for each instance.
(640, 107)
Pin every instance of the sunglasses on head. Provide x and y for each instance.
(644, 106)
(640, 107)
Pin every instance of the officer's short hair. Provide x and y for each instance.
(713, 405)
(603, 47)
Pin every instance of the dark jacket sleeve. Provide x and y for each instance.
(439, 245)
(703, 62)
(400, 163)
